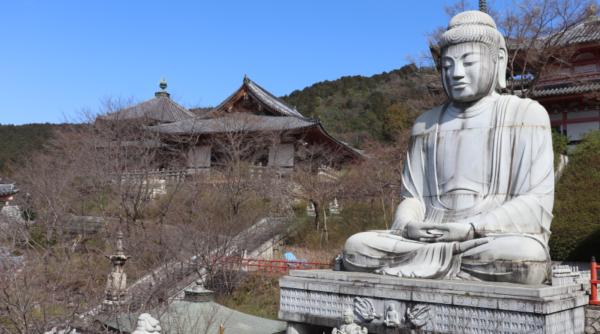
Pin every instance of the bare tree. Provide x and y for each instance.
(318, 180)
(539, 35)
(176, 225)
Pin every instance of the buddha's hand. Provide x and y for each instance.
(454, 232)
(421, 231)
(448, 232)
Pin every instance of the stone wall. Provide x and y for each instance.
(592, 319)
(320, 297)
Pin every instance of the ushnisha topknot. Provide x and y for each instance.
(473, 26)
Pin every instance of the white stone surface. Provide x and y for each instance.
(298, 328)
(392, 318)
(320, 297)
(147, 324)
(478, 183)
(349, 327)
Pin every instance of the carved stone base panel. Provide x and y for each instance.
(485, 308)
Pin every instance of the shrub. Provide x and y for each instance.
(355, 217)
(560, 146)
(576, 224)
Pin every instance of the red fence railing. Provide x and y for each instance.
(270, 265)
(594, 281)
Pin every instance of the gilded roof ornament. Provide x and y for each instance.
(163, 84)
(592, 11)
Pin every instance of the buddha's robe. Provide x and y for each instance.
(492, 168)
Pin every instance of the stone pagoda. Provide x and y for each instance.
(116, 284)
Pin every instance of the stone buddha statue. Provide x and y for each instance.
(349, 327)
(478, 183)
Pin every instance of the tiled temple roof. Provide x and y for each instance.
(247, 122)
(567, 90)
(160, 108)
(586, 32)
(260, 94)
(235, 122)
(8, 189)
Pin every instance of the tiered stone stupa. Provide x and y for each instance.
(116, 284)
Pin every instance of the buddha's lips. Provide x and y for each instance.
(460, 85)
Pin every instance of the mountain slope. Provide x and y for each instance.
(21, 140)
(358, 109)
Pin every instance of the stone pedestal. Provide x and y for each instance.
(319, 297)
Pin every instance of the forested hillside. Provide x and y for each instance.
(19, 140)
(359, 109)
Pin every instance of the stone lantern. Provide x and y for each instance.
(116, 284)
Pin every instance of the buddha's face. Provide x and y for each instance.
(468, 71)
(348, 318)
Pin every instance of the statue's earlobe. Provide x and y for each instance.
(502, 62)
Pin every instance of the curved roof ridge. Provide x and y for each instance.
(263, 96)
(160, 108)
(222, 104)
(291, 110)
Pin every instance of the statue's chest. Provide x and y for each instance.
(463, 154)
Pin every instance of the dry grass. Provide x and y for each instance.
(326, 255)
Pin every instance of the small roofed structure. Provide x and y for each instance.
(7, 191)
(158, 110)
(252, 109)
(198, 313)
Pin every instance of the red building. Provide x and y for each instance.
(7, 191)
(569, 90)
(570, 93)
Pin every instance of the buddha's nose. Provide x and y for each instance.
(458, 73)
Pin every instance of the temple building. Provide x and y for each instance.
(274, 133)
(158, 110)
(570, 94)
(279, 128)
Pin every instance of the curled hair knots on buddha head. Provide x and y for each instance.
(473, 26)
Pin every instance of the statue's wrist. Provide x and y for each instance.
(404, 233)
(472, 234)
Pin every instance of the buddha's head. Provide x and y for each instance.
(474, 57)
(348, 316)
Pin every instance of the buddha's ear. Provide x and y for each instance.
(502, 62)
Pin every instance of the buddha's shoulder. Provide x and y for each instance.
(427, 121)
(524, 111)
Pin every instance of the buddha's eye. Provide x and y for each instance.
(447, 64)
(470, 60)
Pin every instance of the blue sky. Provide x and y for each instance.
(60, 56)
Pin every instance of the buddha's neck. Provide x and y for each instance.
(467, 109)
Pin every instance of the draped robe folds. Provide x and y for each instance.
(514, 207)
